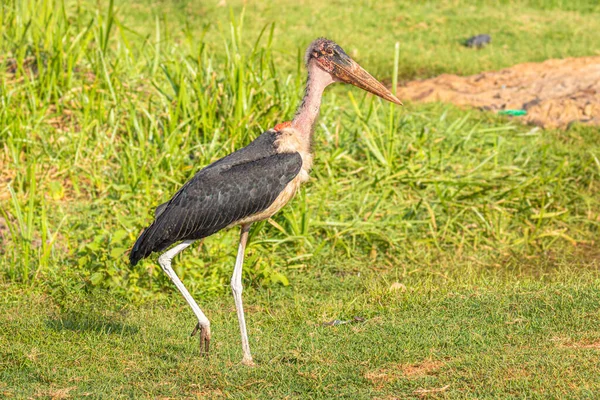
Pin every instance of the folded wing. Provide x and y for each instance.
(215, 198)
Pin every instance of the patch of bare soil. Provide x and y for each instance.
(6, 175)
(595, 345)
(382, 376)
(555, 93)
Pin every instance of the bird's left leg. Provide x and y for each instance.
(203, 323)
(236, 287)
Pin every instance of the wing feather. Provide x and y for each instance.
(216, 198)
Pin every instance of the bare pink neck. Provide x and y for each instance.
(308, 111)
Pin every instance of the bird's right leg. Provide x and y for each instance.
(203, 323)
(236, 287)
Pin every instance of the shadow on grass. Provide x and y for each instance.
(78, 322)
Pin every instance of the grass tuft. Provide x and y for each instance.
(465, 242)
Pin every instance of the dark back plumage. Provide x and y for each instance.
(237, 186)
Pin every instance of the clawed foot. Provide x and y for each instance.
(248, 362)
(204, 338)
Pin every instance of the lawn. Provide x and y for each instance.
(481, 336)
(459, 246)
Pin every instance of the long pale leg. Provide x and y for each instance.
(203, 323)
(236, 287)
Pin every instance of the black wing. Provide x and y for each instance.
(217, 196)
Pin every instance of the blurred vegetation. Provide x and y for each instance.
(430, 33)
(101, 123)
(466, 242)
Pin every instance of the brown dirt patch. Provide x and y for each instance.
(56, 394)
(555, 93)
(426, 392)
(382, 376)
(584, 345)
(7, 173)
(421, 369)
(567, 342)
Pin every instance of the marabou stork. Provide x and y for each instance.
(250, 184)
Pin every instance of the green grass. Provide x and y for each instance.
(477, 335)
(430, 33)
(491, 226)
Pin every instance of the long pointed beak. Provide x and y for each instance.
(347, 70)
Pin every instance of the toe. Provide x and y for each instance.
(248, 362)
(196, 328)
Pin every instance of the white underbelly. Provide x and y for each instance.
(284, 197)
(289, 141)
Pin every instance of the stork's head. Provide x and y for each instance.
(333, 59)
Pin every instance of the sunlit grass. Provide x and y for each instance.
(100, 131)
(105, 111)
(430, 33)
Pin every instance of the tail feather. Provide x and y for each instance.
(138, 251)
(146, 244)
